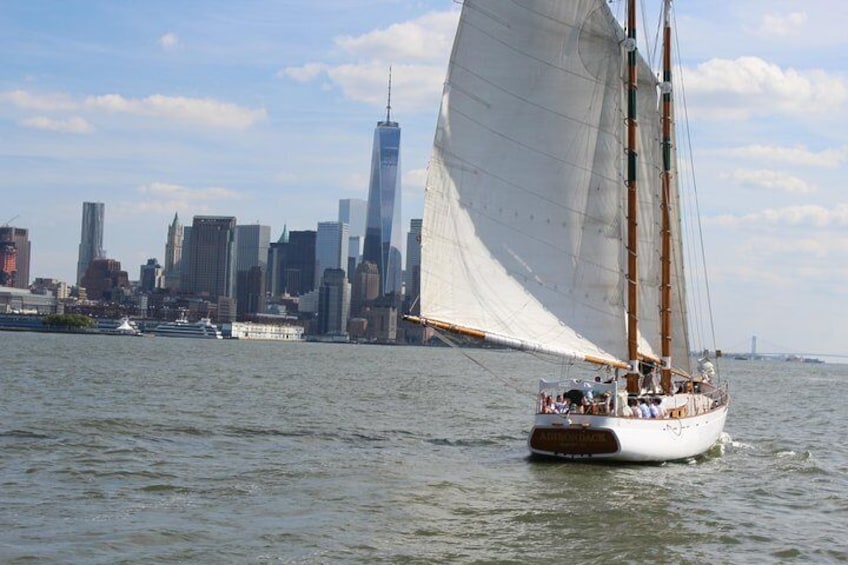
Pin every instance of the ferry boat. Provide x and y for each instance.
(203, 329)
(124, 326)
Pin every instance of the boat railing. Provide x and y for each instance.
(718, 394)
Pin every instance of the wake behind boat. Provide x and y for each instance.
(552, 225)
(202, 329)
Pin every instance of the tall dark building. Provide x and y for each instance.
(300, 262)
(383, 237)
(333, 303)
(185, 259)
(91, 236)
(151, 275)
(250, 287)
(211, 262)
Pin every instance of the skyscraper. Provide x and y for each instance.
(14, 257)
(300, 262)
(250, 285)
(173, 254)
(413, 265)
(252, 242)
(333, 303)
(185, 259)
(365, 286)
(277, 260)
(383, 238)
(151, 275)
(91, 236)
(331, 245)
(353, 212)
(211, 268)
(103, 278)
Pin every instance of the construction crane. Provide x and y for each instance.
(10, 220)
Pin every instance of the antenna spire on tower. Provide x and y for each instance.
(389, 102)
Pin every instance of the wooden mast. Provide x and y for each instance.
(632, 278)
(665, 259)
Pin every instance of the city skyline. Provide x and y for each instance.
(266, 113)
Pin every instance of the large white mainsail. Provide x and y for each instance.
(525, 199)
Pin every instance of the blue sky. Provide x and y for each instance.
(265, 110)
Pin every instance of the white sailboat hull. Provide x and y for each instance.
(614, 438)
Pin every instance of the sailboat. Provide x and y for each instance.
(552, 225)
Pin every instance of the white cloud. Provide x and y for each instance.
(163, 199)
(169, 41)
(783, 24)
(428, 38)
(414, 87)
(750, 86)
(40, 102)
(772, 180)
(70, 125)
(814, 247)
(417, 52)
(202, 111)
(179, 192)
(414, 180)
(797, 155)
(304, 73)
(796, 216)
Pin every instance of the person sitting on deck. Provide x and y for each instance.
(633, 409)
(548, 406)
(560, 406)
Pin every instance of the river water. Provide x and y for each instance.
(156, 450)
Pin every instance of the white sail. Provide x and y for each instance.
(523, 232)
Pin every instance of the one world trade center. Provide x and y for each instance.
(383, 238)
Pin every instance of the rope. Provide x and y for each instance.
(454, 345)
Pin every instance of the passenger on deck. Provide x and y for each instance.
(575, 399)
(643, 408)
(560, 406)
(659, 409)
(654, 409)
(633, 409)
(548, 407)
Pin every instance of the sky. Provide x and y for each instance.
(265, 110)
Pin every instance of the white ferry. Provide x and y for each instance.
(204, 329)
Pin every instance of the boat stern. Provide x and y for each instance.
(573, 441)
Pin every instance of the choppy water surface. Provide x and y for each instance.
(164, 450)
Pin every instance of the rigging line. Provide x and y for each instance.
(697, 204)
(449, 342)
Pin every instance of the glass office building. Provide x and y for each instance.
(383, 230)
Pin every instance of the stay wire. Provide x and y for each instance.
(454, 345)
